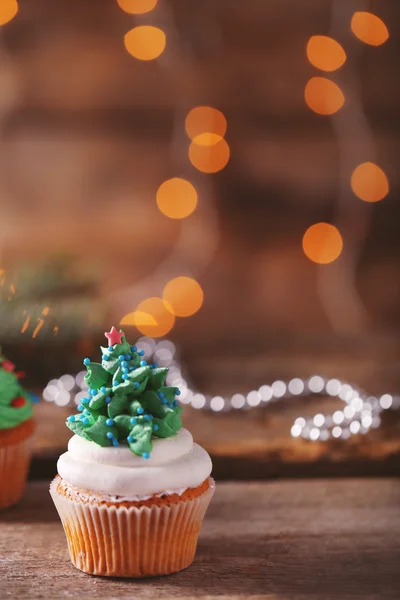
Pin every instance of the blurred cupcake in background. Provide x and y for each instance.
(16, 432)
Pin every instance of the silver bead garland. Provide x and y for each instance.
(360, 413)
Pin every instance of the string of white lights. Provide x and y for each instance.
(360, 413)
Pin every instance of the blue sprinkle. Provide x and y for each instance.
(160, 395)
(107, 400)
(121, 357)
(140, 410)
(170, 405)
(103, 389)
(109, 435)
(71, 419)
(155, 365)
(85, 400)
(146, 455)
(125, 369)
(128, 356)
(137, 385)
(130, 439)
(109, 422)
(177, 392)
(80, 408)
(115, 442)
(132, 368)
(92, 392)
(110, 348)
(86, 361)
(125, 376)
(86, 412)
(148, 417)
(133, 421)
(175, 403)
(85, 421)
(134, 348)
(164, 401)
(155, 428)
(141, 352)
(124, 363)
(106, 357)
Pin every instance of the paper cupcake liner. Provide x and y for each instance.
(121, 541)
(14, 466)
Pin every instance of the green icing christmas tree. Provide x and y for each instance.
(128, 401)
(15, 401)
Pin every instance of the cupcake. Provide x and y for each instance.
(16, 432)
(133, 488)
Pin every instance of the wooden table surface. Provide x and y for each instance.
(286, 540)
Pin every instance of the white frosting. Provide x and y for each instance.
(175, 464)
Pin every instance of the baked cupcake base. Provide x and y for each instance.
(141, 538)
(15, 455)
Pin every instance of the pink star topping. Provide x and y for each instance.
(114, 336)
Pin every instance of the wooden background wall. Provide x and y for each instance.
(85, 140)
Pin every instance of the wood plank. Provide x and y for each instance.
(274, 171)
(71, 55)
(254, 445)
(323, 540)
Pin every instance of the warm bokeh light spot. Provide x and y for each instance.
(145, 42)
(137, 7)
(323, 96)
(176, 198)
(184, 296)
(325, 53)
(322, 243)
(210, 158)
(369, 182)
(12, 292)
(369, 28)
(40, 324)
(8, 10)
(138, 317)
(152, 317)
(26, 322)
(205, 119)
(207, 139)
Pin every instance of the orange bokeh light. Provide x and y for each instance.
(323, 96)
(369, 28)
(325, 53)
(137, 7)
(207, 139)
(183, 296)
(176, 198)
(205, 120)
(369, 182)
(145, 42)
(322, 243)
(8, 10)
(152, 317)
(209, 158)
